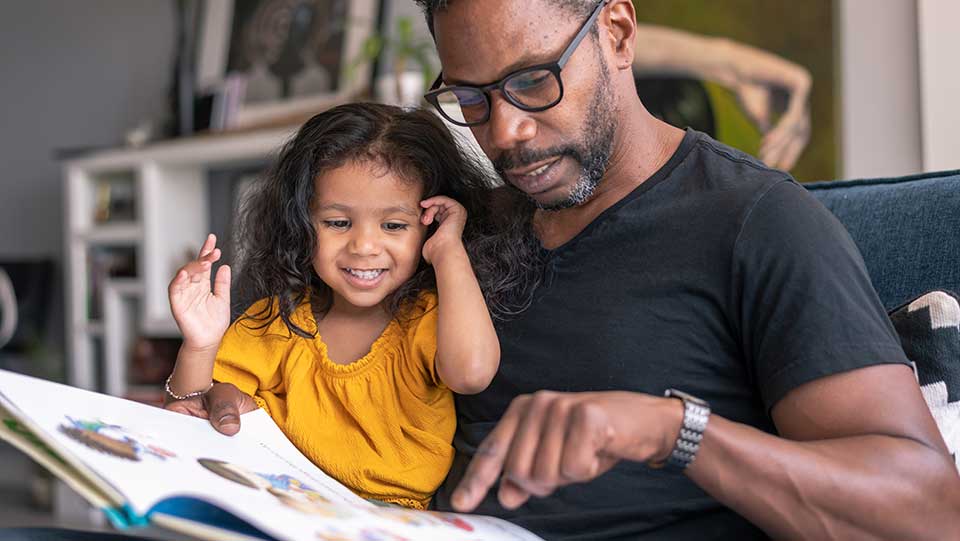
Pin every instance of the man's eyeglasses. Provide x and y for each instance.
(535, 88)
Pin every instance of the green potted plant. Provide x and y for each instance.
(410, 58)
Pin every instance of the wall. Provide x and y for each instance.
(880, 89)
(74, 74)
(939, 83)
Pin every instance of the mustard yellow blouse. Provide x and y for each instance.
(382, 425)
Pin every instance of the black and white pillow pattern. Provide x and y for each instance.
(929, 329)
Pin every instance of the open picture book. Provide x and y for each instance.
(144, 465)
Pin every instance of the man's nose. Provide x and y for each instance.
(365, 241)
(508, 126)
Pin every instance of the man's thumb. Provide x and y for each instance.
(223, 403)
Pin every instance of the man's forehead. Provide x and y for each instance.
(479, 39)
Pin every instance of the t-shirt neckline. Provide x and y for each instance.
(690, 138)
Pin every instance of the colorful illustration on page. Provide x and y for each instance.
(289, 490)
(113, 439)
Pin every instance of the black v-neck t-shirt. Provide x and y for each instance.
(717, 276)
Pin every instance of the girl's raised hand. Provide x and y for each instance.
(202, 314)
(452, 218)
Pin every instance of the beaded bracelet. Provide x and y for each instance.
(175, 396)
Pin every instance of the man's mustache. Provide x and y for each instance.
(523, 157)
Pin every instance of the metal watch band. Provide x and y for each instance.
(696, 414)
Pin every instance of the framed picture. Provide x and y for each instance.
(758, 75)
(291, 57)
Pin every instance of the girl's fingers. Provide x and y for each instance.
(221, 283)
(208, 245)
(213, 256)
(198, 270)
(430, 214)
(436, 200)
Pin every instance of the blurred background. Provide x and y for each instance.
(131, 128)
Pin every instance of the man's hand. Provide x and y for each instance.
(549, 439)
(222, 405)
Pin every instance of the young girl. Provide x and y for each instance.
(367, 312)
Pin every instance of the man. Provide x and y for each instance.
(672, 263)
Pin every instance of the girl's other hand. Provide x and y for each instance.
(202, 314)
(452, 218)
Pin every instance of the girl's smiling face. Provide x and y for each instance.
(369, 235)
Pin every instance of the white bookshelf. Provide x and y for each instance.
(171, 216)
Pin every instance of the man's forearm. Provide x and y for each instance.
(871, 486)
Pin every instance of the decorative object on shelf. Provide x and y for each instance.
(115, 201)
(182, 84)
(8, 308)
(410, 58)
(293, 55)
(105, 263)
(141, 134)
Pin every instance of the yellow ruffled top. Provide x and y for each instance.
(381, 425)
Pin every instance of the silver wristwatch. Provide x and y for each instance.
(696, 414)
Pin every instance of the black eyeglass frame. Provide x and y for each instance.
(432, 96)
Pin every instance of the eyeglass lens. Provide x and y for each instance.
(531, 90)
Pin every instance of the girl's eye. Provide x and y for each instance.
(337, 224)
(394, 226)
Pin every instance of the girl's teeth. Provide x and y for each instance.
(365, 275)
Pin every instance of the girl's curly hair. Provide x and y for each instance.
(277, 234)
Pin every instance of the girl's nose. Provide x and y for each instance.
(365, 242)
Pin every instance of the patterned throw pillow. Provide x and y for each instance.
(929, 328)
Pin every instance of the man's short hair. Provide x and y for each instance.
(579, 8)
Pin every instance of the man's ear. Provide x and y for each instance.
(620, 20)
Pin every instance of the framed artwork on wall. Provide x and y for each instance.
(758, 75)
(290, 58)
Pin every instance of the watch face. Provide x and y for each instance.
(673, 393)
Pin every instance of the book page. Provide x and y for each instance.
(162, 461)
(148, 453)
(14, 433)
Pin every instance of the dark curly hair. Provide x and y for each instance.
(277, 233)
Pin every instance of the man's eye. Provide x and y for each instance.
(393, 226)
(337, 224)
(529, 81)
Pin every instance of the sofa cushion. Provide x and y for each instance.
(907, 228)
(929, 329)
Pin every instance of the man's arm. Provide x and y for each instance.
(859, 456)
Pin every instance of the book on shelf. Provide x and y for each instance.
(143, 465)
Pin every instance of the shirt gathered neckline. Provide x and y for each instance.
(363, 363)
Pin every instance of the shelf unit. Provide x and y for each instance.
(163, 224)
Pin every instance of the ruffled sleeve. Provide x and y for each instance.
(420, 346)
(251, 356)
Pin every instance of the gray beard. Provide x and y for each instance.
(591, 175)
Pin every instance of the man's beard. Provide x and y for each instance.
(592, 152)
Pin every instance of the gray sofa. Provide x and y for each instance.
(907, 228)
